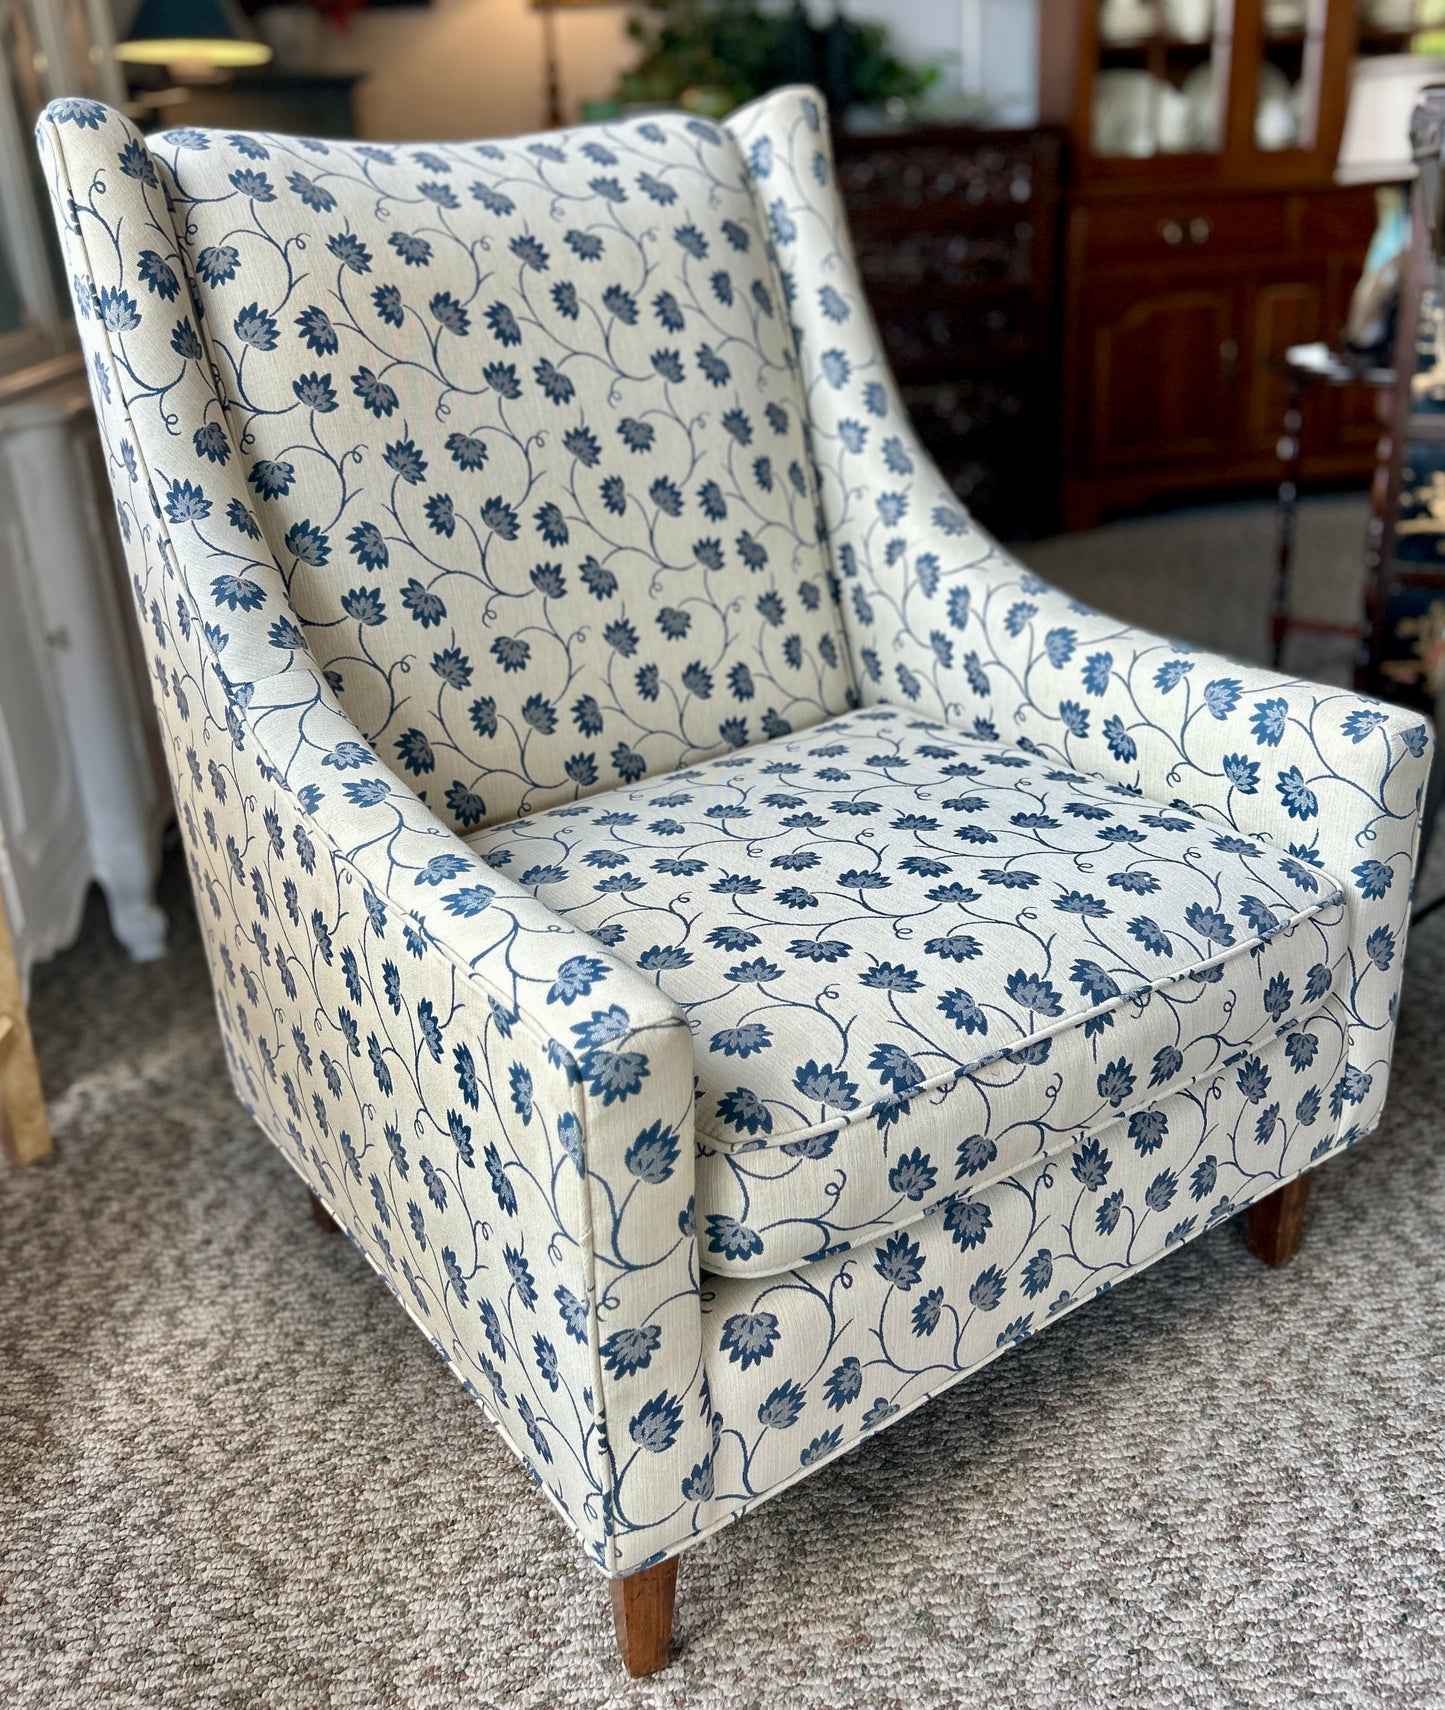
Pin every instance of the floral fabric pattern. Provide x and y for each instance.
(943, 622)
(524, 442)
(819, 1358)
(485, 1076)
(857, 921)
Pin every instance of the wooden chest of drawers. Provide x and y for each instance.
(956, 233)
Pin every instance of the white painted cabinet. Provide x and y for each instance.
(82, 795)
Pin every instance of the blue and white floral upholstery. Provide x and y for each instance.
(734, 949)
(913, 963)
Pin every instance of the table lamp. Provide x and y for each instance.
(196, 41)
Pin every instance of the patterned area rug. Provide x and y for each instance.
(231, 1473)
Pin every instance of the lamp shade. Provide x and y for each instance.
(1384, 91)
(177, 33)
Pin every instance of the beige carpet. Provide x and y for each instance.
(231, 1474)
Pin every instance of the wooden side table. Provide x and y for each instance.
(24, 1126)
(1306, 366)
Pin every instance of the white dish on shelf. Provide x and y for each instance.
(1123, 123)
(1388, 14)
(1189, 20)
(1284, 15)
(1174, 121)
(1126, 20)
(1276, 110)
(1198, 93)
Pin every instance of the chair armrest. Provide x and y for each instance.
(943, 622)
(1337, 780)
(555, 1080)
(498, 1111)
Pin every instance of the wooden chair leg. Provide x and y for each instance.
(24, 1126)
(642, 1605)
(1276, 1223)
(321, 1216)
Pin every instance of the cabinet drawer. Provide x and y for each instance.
(1340, 223)
(1175, 227)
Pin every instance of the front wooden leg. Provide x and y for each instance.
(1276, 1223)
(642, 1606)
(321, 1217)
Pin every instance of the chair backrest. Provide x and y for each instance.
(520, 425)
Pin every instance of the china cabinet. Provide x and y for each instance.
(1402, 642)
(1205, 234)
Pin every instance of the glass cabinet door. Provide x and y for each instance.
(1161, 77)
(1238, 91)
(1294, 72)
(1289, 74)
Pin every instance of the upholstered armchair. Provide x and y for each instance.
(734, 950)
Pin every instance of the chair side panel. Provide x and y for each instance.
(353, 1039)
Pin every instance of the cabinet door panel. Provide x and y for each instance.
(1162, 367)
(1281, 312)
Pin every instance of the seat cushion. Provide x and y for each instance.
(521, 422)
(913, 962)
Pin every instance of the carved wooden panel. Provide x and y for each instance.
(918, 173)
(956, 238)
(961, 260)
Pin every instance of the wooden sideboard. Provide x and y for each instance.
(1179, 304)
(956, 233)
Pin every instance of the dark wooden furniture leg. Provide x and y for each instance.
(321, 1216)
(1434, 803)
(642, 1614)
(1276, 1223)
(1286, 507)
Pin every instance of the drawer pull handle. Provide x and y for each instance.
(1191, 234)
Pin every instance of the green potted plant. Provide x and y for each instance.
(712, 55)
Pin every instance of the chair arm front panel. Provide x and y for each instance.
(942, 620)
(576, 1075)
(499, 1112)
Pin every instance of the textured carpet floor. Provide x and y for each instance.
(232, 1474)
